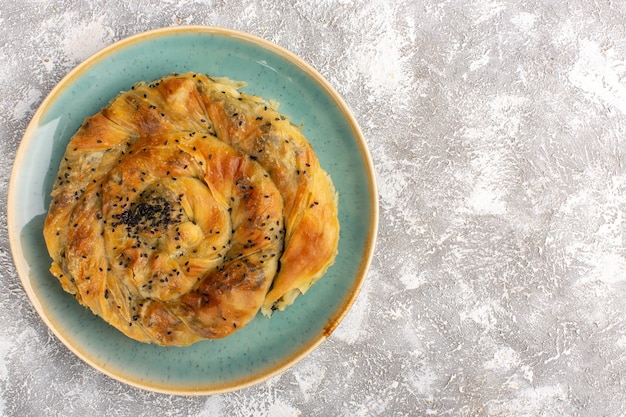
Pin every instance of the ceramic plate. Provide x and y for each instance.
(266, 346)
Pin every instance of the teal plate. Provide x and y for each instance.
(266, 346)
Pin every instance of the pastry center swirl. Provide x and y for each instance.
(184, 218)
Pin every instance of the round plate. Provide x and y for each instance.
(266, 346)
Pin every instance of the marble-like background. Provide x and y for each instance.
(497, 130)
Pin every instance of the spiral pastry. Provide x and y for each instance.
(184, 207)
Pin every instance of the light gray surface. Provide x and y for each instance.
(497, 129)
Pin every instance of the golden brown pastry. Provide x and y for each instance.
(184, 207)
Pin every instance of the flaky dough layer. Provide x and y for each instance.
(184, 207)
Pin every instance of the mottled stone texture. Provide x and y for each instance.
(497, 129)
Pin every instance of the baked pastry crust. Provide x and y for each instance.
(184, 207)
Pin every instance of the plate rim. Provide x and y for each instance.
(369, 245)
